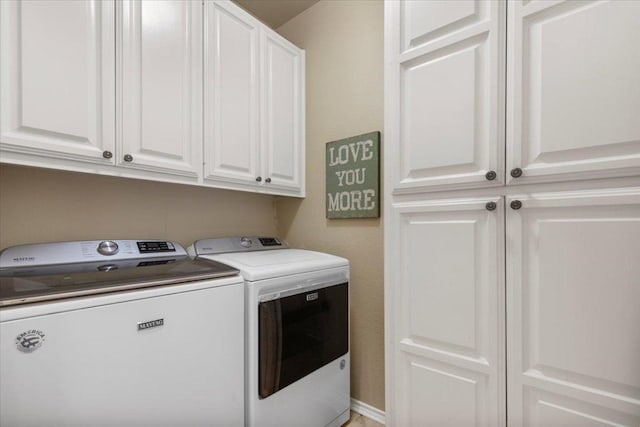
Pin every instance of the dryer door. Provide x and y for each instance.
(301, 333)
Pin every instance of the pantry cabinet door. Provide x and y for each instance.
(57, 80)
(573, 309)
(445, 314)
(445, 93)
(231, 104)
(282, 113)
(573, 90)
(160, 93)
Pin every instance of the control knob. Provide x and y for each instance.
(245, 242)
(108, 247)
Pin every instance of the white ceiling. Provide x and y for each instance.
(275, 12)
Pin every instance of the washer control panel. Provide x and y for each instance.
(86, 251)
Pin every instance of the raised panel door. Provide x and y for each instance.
(231, 104)
(282, 113)
(445, 344)
(161, 89)
(57, 79)
(572, 309)
(573, 90)
(445, 93)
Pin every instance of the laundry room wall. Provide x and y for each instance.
(41, 205)
(344, 91)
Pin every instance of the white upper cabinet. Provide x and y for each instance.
(57, 80)
(166, 90)
(445, 92)
(231, 104)
(573, 90)
(282, 113)
(254, 104)
(572, 309)
(160, 92)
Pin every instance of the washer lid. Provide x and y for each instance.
(262, 265)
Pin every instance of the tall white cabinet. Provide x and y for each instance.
(512, 213)
(447, 100)
(192, 92)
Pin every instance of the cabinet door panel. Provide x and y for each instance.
(57, 78)
(423, 23)
(573, 309)
(573, 90)
(447, 336)
(231, 94)
(283, 124)
(161, 86)
(445, 90)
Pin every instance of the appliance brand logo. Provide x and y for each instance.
(150, 324)
(30, 341)
(312, 297)
(24, 259)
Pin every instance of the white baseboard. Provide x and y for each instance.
(368, 411)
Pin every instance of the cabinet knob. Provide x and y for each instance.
(516, 204)
(128, 158)
(268, 180)
(259, 179)
(491, 175)
(107, 154)
(516, 172)
(491, 206)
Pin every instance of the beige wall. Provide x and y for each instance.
(344, 50)
(39, 205)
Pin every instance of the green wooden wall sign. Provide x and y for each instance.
(353, 177)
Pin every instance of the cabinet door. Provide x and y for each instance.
(231, 94)
(57, 79)
(573, 90)
(445, 93)
(161, 63)
(282, 113)
(573, 309)
(445, 314)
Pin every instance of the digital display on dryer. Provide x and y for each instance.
(269, 241)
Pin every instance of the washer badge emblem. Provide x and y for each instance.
(30, 341)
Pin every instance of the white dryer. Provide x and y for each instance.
(297, 331)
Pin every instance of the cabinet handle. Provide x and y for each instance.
(516, 204)
(259, 179)
(268, 180)
(491, 206)
(107, 154)
(516, 172)
(491, 175)
(128, 158)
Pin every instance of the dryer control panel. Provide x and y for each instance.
(235, 244)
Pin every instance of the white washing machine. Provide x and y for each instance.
(119, 333)
(297, 331)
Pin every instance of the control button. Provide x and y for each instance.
(245, 242)
(108, 247)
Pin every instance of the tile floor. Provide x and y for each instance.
(358, 420)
